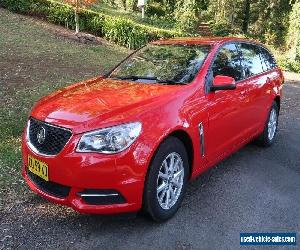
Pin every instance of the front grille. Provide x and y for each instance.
(49, 187)
(55, 138)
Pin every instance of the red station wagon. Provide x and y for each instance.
(132, 139)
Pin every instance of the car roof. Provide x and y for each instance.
(203, 40)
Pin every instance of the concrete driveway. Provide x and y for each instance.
(255, 190)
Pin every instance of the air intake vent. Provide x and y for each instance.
(49, 187)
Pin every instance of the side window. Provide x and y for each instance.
(251, 59)
(228, 63)
(268, 59)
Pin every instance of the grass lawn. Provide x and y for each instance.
(34, 61)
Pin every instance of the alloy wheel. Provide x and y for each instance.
(170, 180)
(272, 124)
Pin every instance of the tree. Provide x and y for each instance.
(294, 32)
(246, 18)
(185, 14)
(266, 20)
(78, 5)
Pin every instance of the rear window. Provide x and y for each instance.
(251, 59)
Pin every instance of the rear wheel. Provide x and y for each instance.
(268, 136)
(166, 180)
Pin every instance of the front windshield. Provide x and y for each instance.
(163, 64)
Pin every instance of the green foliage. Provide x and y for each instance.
(119, 30)
(95, 25)
(61, 14)
(273, 22)
(294, 33)
(124, 4)
(125, 33)
(221, 28)
(21, 6)
(288, 64)
(131, 4)
(155, 9)
(285, 60)
(166, 22)
(186, 15)
(266, 20)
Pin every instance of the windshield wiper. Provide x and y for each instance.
(137, 78)
(134, 78)
(170, 82)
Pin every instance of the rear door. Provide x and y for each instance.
(273, 78)
(258, 83)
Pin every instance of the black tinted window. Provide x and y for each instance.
(267, 59)
(251, 59)
(228, 63)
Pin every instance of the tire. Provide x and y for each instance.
(163, 209)
(267, 138)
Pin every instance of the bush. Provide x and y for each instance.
(125, 33)
(61, 14)
(131, 4)
(95, 24)
(165, 22)
(220, 29)
(155, 10)
(124, 4)
(20, 6)
(284, 60)
(119, 30)
(288, 64)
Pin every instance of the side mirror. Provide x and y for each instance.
(223, 83)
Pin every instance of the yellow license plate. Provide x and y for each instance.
(38, 167)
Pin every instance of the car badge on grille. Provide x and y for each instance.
(41, 135)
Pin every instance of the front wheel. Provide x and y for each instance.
(166, 180)
(267, 138)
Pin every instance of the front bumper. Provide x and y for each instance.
(82, 172)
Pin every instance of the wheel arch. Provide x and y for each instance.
(186, 139)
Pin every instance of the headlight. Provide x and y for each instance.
(110, 140)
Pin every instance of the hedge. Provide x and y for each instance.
(116, 29)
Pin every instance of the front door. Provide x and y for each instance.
(226, 106)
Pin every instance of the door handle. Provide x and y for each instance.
(268, 81)
(244, 92)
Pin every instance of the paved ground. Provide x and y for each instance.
(255, 190)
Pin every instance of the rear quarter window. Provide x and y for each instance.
(267, 59)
